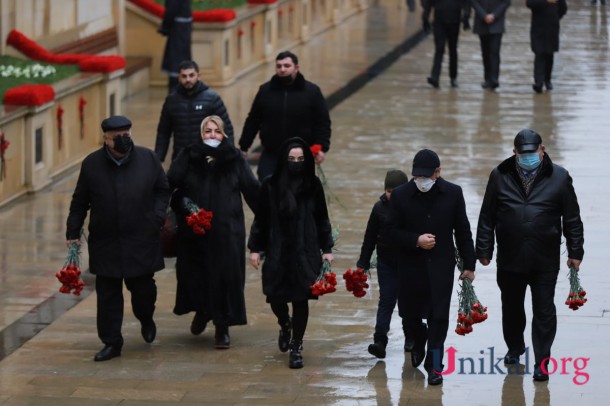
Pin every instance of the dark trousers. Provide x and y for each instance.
(543, 67)
(266, 165)
(300, 316)
(110, 304)
(437, 333)
(389, 284)
(490, 50)
(544, 323)
(448, 34)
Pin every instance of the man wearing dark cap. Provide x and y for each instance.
(528, 202)
(425, 216)
(126, 192)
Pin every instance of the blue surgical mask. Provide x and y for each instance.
(529, 161)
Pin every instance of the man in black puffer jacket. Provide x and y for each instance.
(184, 110)
(286, 106)
(528, 202)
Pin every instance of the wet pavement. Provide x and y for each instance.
(373, 70)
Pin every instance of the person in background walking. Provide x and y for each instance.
(176, 25)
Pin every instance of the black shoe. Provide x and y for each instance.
(108, 352)
(222, 341)
(485, 85)
(549, 85)
(433, 82)
(149, 331)
(454, 83)
(540, 376)
(199, 323)
(295, 360)
(283, 340)
(434, 378)
(537, 88)
(377, 349)
(409, 343)
(494, 85)
(418, 353)
(511, 358)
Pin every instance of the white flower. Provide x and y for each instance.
(34, 70)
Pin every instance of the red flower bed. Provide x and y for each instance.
(29, 95)
(262, 1)
(219, 15)
(102, 63)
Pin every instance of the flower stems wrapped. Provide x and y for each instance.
(325, 282)
(470, 310)
(355, 281)
(69, 276)
(576, 297)
(200, 220)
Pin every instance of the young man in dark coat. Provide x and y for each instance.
(286, 106)
(489, 23)
(177, 25)
(184, 110)
(544, 38)
(425, 216)
(527, 201)
(126, 192)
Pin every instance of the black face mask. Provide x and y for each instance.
(295, 167)
(122, 144)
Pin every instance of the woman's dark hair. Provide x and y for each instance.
(289, 186)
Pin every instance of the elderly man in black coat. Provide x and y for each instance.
(527, 201)
(489, 24)
(126, 192)
(544, 38)
(425, 215)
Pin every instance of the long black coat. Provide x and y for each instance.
(210, 268)
(528, 228)
(182, 114)
(280, 112)
(544, 29)
(427, 275)
(127, 206)
(177, 24)
(482, 8)
(293, 245)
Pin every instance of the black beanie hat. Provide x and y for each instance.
(395, 178)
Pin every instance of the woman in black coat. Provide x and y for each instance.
(210, 268)
(544, 38)
(292, 228)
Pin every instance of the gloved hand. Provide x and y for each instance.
(426, 26)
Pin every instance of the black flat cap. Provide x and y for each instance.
(527, 141)
(425, 163)
(114, 123)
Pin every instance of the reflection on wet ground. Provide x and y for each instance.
(380, 126)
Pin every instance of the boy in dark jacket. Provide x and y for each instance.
(387, 265)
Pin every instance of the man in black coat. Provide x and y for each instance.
(126, 192)
(425, 215)
(176, 25)
(184, 110)
(447, 17)
(287, 106)
(489, 18)
(544, 38)
(527, 201)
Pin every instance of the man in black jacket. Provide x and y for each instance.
(126, 192)
(287, 106)
(184, 110)
(527, 201)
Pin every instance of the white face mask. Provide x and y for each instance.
(424, 184)
(212, 142)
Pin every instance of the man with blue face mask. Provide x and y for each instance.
(528, 203)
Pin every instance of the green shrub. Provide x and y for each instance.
(204, 5)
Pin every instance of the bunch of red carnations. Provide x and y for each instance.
(576, 297)
(200, 220)
(325, 282)
(69, 276)
(470, 310)
(355, 281)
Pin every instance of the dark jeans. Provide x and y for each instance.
(543, 67)
(110, 304)
(544, 323)
(389, 284)
(445, 34)
(490, 50)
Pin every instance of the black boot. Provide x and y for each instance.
(295, 360)
(380, 342)
(283, 340)
(222, 341)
